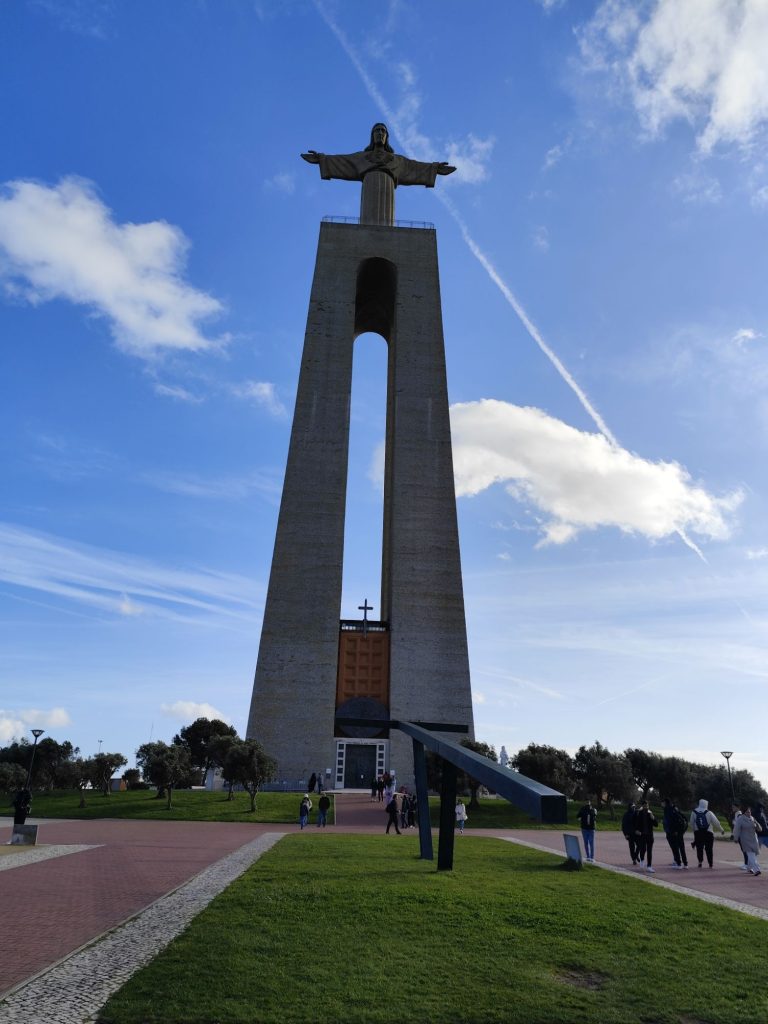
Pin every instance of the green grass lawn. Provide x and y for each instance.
(353, 929)
(495, 813)
(188, 805)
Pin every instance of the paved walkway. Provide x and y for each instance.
(54, 906)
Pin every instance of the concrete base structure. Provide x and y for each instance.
(382, 279)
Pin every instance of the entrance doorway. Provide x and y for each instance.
(359, 765)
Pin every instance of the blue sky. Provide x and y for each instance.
(602, 255)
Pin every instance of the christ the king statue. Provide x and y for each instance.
(381, 170)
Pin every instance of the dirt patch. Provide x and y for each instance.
(580, 978)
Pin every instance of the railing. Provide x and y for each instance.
(358, 626)
(423, 225)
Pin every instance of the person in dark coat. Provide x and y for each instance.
(675, 824)
(628, 828)
(323, 805)
(22, 804)
(762, 824)
(392, 811)
(645, 822)
(588, 820)
(312, 782)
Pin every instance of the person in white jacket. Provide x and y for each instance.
(745, 832)
(703, 824)
(461, 815)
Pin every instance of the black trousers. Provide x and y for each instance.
(632, 844)
(392, 821)
(645, 849)
(705, 842)
(676, 842)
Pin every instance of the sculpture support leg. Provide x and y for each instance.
(422, 796)
(447, 816)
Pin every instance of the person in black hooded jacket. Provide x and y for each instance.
(628, 828)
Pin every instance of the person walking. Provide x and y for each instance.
(675, 826)
(588, 819)
(762, 824)
(461, 816)
(392, 811)
(628, 829)
(645, 823)
(322, 810)
(22, 804)
(703, 823)
(736, 813)
(304, 808)
(745, 831)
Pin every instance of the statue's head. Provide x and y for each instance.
(379, 137)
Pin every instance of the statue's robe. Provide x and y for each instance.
(355, 167)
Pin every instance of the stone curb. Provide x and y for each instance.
(721, 901)
(74, 990)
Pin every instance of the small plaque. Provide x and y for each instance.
(24, 835)
(572, 847)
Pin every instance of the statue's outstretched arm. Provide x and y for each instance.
(443, 167)
(312, 157)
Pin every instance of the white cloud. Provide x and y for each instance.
(116, 583)
(697, 187)
(757, 554)
(470, 157)
(760, 198)
(16, 724)
(61, 242)
(284, 182)
(176, 391)
(701, 61)
(227, 487)
(189, 710)
(541, 238)
(263, 393)
(580, 481)
(745, 334)
(554, 155)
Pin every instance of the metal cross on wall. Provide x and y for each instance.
(365, 608)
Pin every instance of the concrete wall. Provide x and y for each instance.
(294, 690)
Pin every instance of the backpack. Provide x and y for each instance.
(679, 822)
(702, 821)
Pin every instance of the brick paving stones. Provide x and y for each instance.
(72, 992)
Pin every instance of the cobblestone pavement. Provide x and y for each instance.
(54, 906)
(74, 991)
(22, 856)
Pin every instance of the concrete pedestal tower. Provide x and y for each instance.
(411, 664)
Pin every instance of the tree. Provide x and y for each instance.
(12, 777)
(132, 779)
(644, 765)
(607, 775)
(166, 765)
(218, 748)
(197, 739)
(550, 766)
(248, 763)
(464, 781)
(103, 767)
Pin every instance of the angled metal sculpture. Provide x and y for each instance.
(314, 670)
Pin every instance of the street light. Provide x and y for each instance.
(100, 742)
(728, 754)
(37, 733)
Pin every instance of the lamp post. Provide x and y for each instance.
(37, 733)
(728, 754)
(100, 742)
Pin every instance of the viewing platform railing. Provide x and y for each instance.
(423, 225)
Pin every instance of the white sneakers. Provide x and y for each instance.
(651, 871)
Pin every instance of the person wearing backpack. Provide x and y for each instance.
(762, 824)
(703, 822)
(675, 827)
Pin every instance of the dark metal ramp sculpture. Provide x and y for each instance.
(540, 802)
